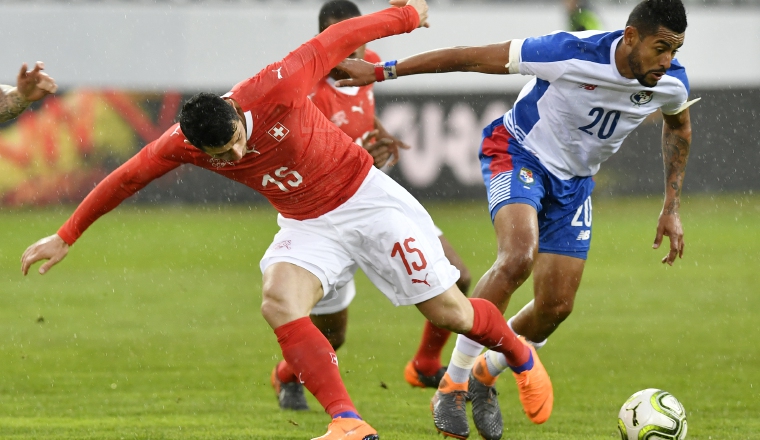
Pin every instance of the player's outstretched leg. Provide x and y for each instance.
(481, 322)
(287, 388)
(315, 364)
(425, 369)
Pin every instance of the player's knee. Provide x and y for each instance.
(516, 264)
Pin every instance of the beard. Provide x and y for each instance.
(634, 61)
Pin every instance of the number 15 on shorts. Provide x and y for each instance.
(406, 252)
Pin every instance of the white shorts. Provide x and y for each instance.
(381, 229)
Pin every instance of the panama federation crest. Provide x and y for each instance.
(642, 97)
(526, 176)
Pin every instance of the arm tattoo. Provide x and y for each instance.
(11, 103)
(675, 154)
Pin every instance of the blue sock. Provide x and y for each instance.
(353, 415)
(524, 367)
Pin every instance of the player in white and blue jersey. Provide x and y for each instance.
(591, 89)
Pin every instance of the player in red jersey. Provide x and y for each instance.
(337, 212)
(352, 109)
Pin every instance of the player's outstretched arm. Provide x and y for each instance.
(676, 141)
(53, 249)
(30, 86)
(491, 59)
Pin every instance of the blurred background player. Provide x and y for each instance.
(581, 16)
(31, 86)
(336, 211)
(352, 109)
(591, 90)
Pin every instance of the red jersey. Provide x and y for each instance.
(300, 161)
(352, 109)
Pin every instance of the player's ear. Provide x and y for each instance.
(630, 35)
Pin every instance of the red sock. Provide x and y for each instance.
(314, 362)
(428, 358)
(285, 373)
(490, 329)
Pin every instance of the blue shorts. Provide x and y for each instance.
(512, 174)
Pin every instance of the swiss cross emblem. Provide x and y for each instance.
(278, 132)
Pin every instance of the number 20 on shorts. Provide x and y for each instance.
(398, 250)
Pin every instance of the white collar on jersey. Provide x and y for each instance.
(350, 91)
(248, 124)
(248, 119)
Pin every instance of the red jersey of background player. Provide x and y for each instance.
(352, 109)
(299, 160)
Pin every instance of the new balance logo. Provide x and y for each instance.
(423, 281)
(334, 358)
(588, 86)
(278, 132)
(279, 75)
(584, 235)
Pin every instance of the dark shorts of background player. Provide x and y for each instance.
(513, 174)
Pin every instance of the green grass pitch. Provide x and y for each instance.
(150, 329)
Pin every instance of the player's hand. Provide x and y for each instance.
(377, 147)
(394, 146)
(35, 84)
(360, 73)
(52, 248)
(670, 225)
(419, 5)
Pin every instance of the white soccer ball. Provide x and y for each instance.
(652, 414)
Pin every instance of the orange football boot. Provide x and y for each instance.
(349, 429)
(535, 388)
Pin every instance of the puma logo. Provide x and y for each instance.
(279, 75)
(357, 109)
(423, 281)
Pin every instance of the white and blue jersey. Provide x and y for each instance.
(568, 120)
(578, 110)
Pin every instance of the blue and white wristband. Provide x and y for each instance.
(386, 70)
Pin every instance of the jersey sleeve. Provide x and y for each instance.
(546, 56)
(152, 162)
(291, 79)
(674, 106)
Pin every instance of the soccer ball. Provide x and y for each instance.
(652, 414)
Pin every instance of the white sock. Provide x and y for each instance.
(463, 359)
(496, 362)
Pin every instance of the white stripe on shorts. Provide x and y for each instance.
(500, 189)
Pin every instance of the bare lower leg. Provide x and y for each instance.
(516, 229)
(556, 279)
(333, 326)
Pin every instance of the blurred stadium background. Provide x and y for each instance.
(150, 325)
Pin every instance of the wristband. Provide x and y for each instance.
(385, 71)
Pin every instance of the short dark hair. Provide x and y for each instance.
(207, 120)
(337, 10)
(649, 15)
